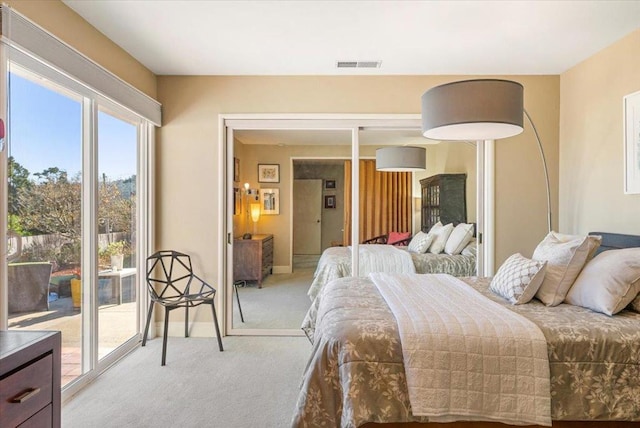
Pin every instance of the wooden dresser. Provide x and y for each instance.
(253, 258)
(30, 378)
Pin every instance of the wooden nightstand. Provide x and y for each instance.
(253, 258)
(30, 378)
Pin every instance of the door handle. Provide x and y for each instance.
(317, 221)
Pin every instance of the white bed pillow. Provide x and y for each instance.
(440, 236)
(435, 227)
(518, 279)
(420, 243)
(471, 250)
(565, 255)
(459, 238)
(609, 282)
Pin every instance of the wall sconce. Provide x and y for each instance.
(250, 194)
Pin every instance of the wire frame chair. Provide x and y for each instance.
(172, 284)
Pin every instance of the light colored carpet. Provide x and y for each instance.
(253, 383)
(282, 302)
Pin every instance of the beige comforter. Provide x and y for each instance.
(356, 374)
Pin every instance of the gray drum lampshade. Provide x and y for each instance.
(483, 109)
(401, 159)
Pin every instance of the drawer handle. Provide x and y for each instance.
(25, 395)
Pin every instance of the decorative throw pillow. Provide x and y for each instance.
(440, 237)
(609, 282)
(518, 279)
(459, 238)
(397, 237)
(635, 305)
(565, 256)
(420, 242)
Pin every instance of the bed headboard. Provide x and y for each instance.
(614, 241)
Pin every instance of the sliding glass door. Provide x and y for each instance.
(75, 173)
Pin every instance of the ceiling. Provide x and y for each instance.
(409, 37)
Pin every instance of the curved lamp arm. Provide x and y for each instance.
(544, 164)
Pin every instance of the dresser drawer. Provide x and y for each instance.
(267, 245)
(40, 419)
(267, 254)
(25, 392)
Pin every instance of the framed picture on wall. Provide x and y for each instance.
(632, 143)
(268, 173)
(236, 170)
(329, 184)
(270, 201)
(330, 201)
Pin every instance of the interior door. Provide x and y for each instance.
(307, 216)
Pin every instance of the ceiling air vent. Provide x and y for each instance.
(358, 64)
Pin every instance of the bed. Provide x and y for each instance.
(335, 262)
(356, 372)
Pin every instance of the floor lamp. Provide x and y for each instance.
(482, 109)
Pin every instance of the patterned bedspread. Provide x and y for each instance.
(356, 375)
(335, 263)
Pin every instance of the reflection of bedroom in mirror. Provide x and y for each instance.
(275, 267)
(391, 205)
(296, 249)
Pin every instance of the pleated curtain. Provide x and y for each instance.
(385, 201)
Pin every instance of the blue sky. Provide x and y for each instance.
(46, 130)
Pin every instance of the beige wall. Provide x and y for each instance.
(188, 207)
(61, 21)
(280, 225)
(591, 150)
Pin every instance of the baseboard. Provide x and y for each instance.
(282, 269)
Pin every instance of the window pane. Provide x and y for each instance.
(117, 271)
(44, 207)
